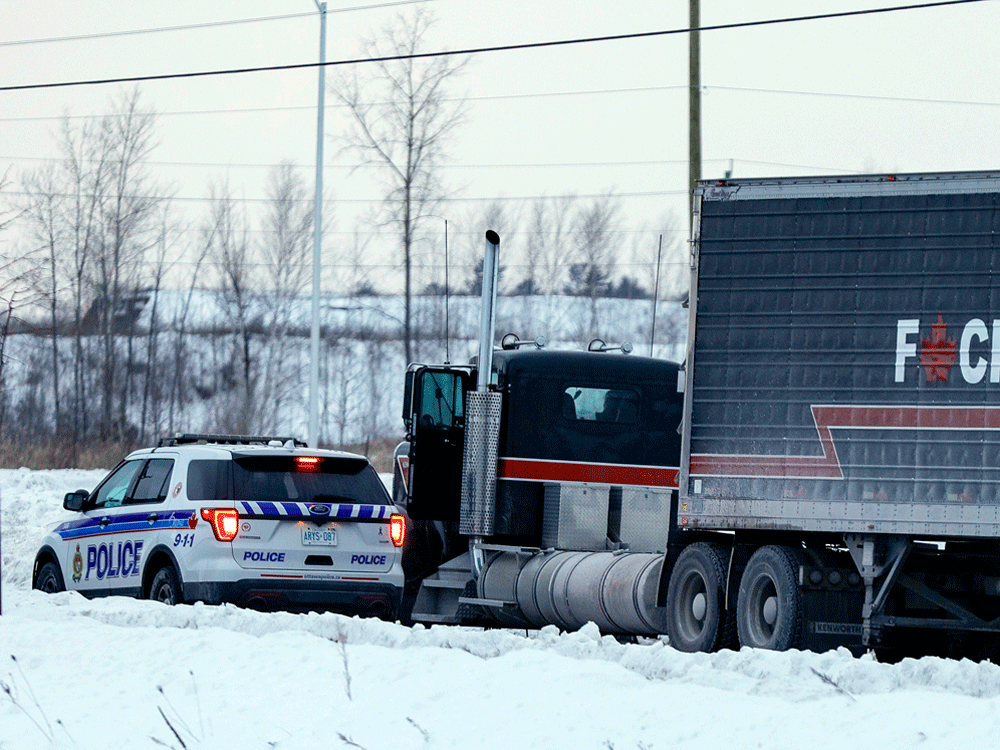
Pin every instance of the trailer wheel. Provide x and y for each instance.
(769, 606)
(696, 615)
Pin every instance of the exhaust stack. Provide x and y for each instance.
(487, 313)
(482, 420)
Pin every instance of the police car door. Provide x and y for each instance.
(90, 540)
(141, 518)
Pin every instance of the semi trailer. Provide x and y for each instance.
(822, 470)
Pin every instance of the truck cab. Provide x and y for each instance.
(577, 431)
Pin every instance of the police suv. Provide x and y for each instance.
(256, 521)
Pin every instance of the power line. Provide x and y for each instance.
(312, 108)
(521, 198)
(204, 25)
(839, 95)
(540, 94)
(526, 165)
(479, 50)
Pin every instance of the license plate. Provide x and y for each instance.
(322, 536)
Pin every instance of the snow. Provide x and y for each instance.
(109, 673)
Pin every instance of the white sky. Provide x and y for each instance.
(908, 91)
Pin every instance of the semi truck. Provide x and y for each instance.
(822, 470)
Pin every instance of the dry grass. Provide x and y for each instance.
(63, 454)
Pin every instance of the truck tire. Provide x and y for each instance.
(769, 606)
(696, 616)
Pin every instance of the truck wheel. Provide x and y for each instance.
(769, 606)
(165, 586)
(50, 579)
(696, 615)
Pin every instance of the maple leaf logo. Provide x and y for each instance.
(938, 355)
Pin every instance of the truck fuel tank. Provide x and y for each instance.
(616, 590)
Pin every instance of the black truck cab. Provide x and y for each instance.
(566, 417)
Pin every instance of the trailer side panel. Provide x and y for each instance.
(845, 363)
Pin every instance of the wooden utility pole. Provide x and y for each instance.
(694, 106)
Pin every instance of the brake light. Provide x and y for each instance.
(225, 522)
(397, 529)
(307, 463)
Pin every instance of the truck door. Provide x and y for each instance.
(437, 442)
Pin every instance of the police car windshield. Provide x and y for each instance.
(285, 479)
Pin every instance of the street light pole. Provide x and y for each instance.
(313, 437)
(447, 327)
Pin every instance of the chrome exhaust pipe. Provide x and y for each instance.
(482, 432)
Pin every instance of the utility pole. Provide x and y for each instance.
(313, 437)
(694, 107)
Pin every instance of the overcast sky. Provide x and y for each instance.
(907, 91)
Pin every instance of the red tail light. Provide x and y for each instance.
(225, 522)
(307, 463)
(397, 529)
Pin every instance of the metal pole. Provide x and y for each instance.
(694, 107)
(656, 296)
(313, 438)
(447, 326)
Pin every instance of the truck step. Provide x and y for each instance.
(446, 583)
(438, 598)
(433, 619)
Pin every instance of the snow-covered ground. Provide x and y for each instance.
(119, 673)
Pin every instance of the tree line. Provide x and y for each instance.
(99, 238)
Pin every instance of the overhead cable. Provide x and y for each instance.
(204, 25)
(480, 50)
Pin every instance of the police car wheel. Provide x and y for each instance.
(50, 579)
(165, 587)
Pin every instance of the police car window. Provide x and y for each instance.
(112, 491)
(588, 404)
(152, 484)
(209, 480)
(331, 480)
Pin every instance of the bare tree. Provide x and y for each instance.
(85, 171)
(402, 121)
(44, 214)
(227, 237)
(353, 274)
(159, 263)
(285, 252)
(498, 216)
(129, 229)
(180, 386)
(595, 232)
(20, 277)
(549, 244)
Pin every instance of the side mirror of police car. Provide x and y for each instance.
(75, 500)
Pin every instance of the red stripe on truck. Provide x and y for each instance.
(829, 418)
(541, 470)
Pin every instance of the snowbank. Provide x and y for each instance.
(120, 672)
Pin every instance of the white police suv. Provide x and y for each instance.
(257, 521)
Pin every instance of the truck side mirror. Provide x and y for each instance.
(74, 500)
(408, 397)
